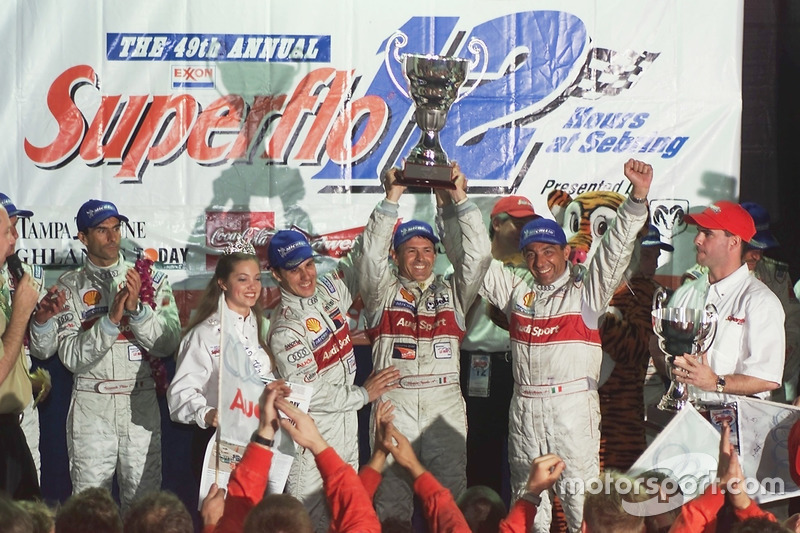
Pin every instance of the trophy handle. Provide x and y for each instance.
(659, 297)
(397, 41)
(478, 49)
(705, 343)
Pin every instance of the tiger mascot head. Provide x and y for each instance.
(585, 219)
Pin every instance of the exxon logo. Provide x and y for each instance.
(192, 76)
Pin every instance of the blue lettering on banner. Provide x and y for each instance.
(218, 47)
(530, 56)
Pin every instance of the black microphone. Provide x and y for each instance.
(15, 266)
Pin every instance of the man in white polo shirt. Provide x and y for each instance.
(748, 352)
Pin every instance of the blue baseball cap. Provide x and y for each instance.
(93, 212)
(287, 249)
(653, 239)
(763, 239)
(413, 228)
(542, 230)
(11, 209)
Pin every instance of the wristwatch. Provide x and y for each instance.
(720, 384)
(138, 310)
(637, 200)
(258, 439)
(535, 499)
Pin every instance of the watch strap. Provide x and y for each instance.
(258, 439)
(532, 498)
(637, 200)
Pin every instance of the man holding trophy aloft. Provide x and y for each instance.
(747, 354)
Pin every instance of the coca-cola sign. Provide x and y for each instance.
(225, 228)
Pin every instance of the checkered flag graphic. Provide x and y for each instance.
(608, 73)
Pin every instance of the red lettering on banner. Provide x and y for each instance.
(161, 134)
(306, 101)
(223, 115)
(263, 112)
(135, 130)
(71, 125)
(247, 407)
(339, 146)
(93, 151)
(556, 329)
(311, 149)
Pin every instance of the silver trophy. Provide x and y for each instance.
(434, 83)
(681, 330)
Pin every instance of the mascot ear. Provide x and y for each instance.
(557, 202)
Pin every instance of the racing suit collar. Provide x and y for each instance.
(292, 300)
(104, 272)
(412, 284)
(557, 283)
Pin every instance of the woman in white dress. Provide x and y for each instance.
(193, 395)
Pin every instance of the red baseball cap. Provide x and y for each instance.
(515, 206)
(725, 215)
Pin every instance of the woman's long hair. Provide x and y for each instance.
(210, 298)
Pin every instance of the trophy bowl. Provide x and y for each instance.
(434, 84)
(680, 331)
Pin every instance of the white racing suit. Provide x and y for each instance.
(310, 340)
(418, 329)
(555, 346)
(114, 422)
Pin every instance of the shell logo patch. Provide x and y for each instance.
(313, 325)
(528, 298)
(407, 296)
(92, 297)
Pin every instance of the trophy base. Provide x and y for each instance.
(672, 405)
(422, 175)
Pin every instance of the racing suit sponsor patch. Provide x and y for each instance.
(134, 353)
(313, 325)
(328, 285)
(442, 350)
(402, 350)
(319, 340)
(437, 301)
(351, 363)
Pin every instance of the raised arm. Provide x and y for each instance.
(465, 239)
(613, 256)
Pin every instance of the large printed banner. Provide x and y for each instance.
(203, 120)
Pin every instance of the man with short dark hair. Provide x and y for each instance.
(118, 316)
(416, 321)
(553, 312)
(748, 352)
(310, 339)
